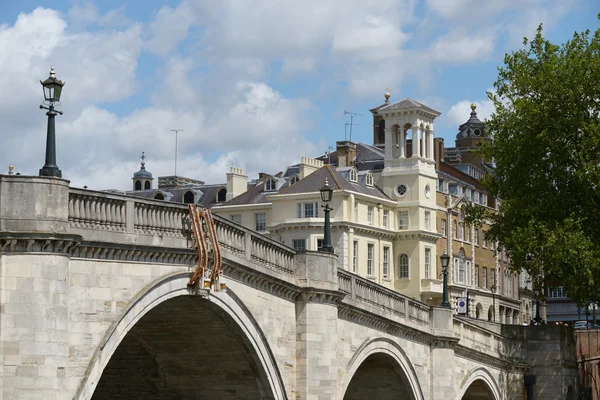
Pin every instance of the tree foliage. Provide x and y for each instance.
(546, 150)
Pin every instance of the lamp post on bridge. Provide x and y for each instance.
(445, 259)
(52, 91)
(493, 289)
(326, 196)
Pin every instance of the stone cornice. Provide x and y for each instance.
(431, 237)
(258, 280)
(38, 242)
(504, 364)
(313, 295)
(132, 252)
(356, 315)
(366, 229)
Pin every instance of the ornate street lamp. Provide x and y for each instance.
(493, 289)
(326, 196)
(445, 259)
(52, 91)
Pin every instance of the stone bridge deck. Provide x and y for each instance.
(84, 272)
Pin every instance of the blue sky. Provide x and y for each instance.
(254, 84)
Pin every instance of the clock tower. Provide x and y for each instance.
(409, 177)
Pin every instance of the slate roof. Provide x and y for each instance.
(254, 195)
(206, 194)
(337, 181)
(458, 174)
(367, 157)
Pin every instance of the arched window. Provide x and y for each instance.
(159, 196)
(221, 195)
(294, 179)
(147, 185)
(188, 198)
(270, 185)
(369, 179)
(381, 132)
(403, 266)
(138, 185)
(353, 175)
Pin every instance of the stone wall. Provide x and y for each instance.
(549, 352)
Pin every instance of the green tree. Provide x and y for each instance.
(546, 150)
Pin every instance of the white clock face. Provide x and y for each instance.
(401, 190)
(427, 191)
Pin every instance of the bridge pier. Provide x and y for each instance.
(34, 288)
(442, 385)
(316, 326)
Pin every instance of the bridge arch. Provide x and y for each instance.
(174, 287)
(383, 350)
(479, 384)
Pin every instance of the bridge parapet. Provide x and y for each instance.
(486, 341)
(364, 294)
(113, 218)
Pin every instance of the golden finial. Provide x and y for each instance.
(473, 106)
(387, 93)
(10, 169)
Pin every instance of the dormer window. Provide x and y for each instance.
(353, 175)
(221, 195)
(294, 179)
(188, 197)
(159, 196)
(270, 185)
(369, 179)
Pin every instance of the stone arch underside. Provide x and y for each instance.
(174, 344)
(478, 390)
(480, 385)
(379, 377)
(381, 370)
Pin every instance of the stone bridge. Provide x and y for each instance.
(95, 305)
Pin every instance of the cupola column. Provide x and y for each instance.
(389, 146)
(415, 141)
(424, 134)
(430, 145)
(402, 141)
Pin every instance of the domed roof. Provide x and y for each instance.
(142, 173)
(474, 127)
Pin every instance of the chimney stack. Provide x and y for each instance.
(438, 151)
(308, 166)
(346, 152)
(237, 183)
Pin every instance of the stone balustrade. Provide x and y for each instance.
(486, 340)
(366, 291)
(91, 213)
(91, 210)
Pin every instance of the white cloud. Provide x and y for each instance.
(169, 28)
(459, 47)
(244, 123)
(459, 112)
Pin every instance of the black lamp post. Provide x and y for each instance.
(493, 290)
(52, 91)
(326, 195)
(445, 259)
(538, 319)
